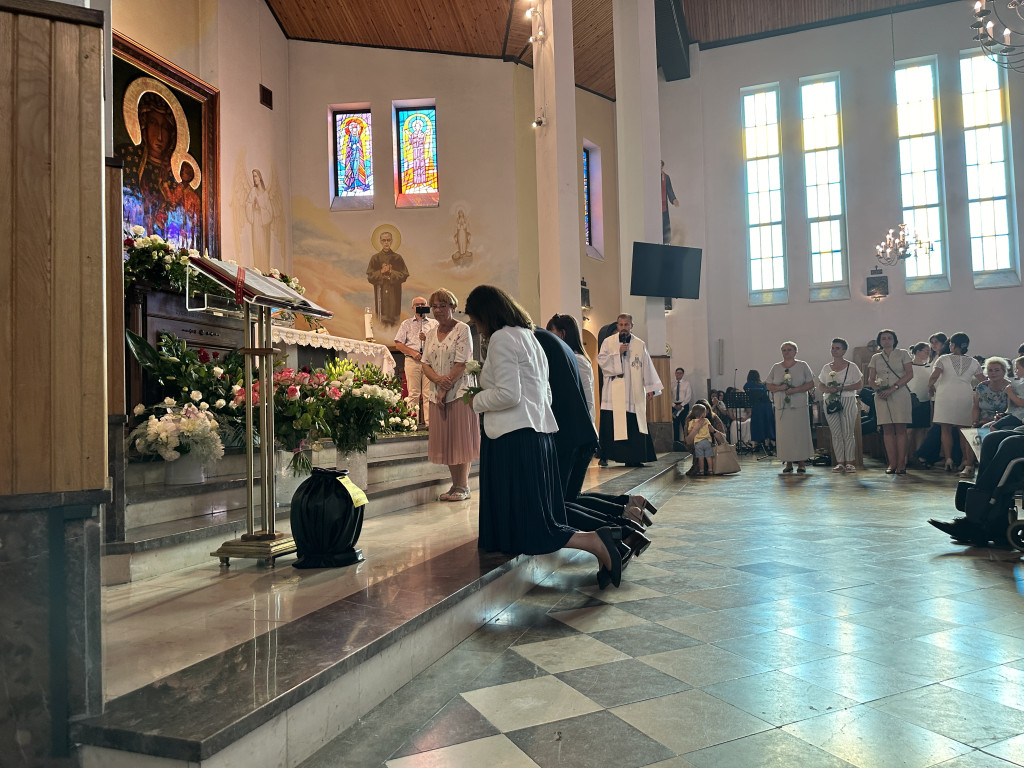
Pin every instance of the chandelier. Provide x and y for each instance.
(896, 247)
(995, 35)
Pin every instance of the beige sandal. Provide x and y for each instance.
(459, 493)
(447, 495)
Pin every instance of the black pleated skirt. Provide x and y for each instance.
(521, 505)
(636, 449)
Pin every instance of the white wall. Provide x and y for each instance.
(476, 172)
(702, 147)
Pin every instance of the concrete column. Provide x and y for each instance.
(638, 145)
(558, 160)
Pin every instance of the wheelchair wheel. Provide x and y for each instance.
(1015, 535)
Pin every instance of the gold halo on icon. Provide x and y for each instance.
(130, 108)
(396, 242)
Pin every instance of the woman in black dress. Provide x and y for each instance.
(521, 506)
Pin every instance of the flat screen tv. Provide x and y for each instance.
(668, 271)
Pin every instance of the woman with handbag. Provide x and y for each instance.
(840, 380)
(889, 372)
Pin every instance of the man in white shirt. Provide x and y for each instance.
(631, 383)
(409, 340)
(682, 394)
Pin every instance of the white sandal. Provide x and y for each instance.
(459, 493)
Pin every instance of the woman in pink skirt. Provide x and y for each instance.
(454, 437)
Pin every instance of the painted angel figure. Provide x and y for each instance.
(258, 216)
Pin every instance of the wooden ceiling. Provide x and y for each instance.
(500, 29)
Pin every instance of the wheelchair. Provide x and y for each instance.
(998, 513)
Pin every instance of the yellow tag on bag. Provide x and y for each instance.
(354, 491)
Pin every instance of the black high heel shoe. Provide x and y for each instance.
(641, 502)
(605, 576)
(629, 526)
(637, 543)
(625, 553)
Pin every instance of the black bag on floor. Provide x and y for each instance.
(326, 522)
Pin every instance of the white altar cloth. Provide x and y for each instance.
(361, 352)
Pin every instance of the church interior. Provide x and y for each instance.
(364, 154)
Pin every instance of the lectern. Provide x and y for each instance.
(258, 297)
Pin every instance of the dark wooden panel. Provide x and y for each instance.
(65, 429)
(714, 21)
(7, 372)
(449, 26)
(32, 253)
(92, 269)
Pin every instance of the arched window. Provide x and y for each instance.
(762, 149)
(989, 187)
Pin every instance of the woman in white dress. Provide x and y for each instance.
(839, 381)
(454, 437)
(952, 389)
(789, 380)
(889, 372)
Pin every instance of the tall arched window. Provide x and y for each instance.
(766, 242)
(924, 210)
(989, 188)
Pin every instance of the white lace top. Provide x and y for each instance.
(442, 355)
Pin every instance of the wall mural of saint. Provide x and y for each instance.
(161, 180)
(386, 272)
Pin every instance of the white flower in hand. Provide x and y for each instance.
(196, 395)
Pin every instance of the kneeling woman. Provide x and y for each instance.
(521, 506)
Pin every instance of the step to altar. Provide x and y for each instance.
(279, 698)
(170, 527)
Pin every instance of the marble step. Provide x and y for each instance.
(279, 698)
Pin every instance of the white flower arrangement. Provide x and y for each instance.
(186, 430)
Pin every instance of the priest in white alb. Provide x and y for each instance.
(630, 383)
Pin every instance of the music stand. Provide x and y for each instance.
(737, 401)
(756, 397)
(257, 296)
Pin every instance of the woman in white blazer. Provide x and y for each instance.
(521, 506)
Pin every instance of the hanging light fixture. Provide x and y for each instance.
(999, 30)
(896, 247)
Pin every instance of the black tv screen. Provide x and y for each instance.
(668, 271)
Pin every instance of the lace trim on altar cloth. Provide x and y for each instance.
(378, 354)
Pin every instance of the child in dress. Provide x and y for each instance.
(698, 433)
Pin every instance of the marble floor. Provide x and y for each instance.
(777, 620)
(158, 626)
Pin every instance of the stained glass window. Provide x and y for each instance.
(988, 188)
(587, 213)
(353, 154)
(763, 155)
(823, 177)
(417, 155)
(920, 167)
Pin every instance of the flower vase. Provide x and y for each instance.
(185, 470)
